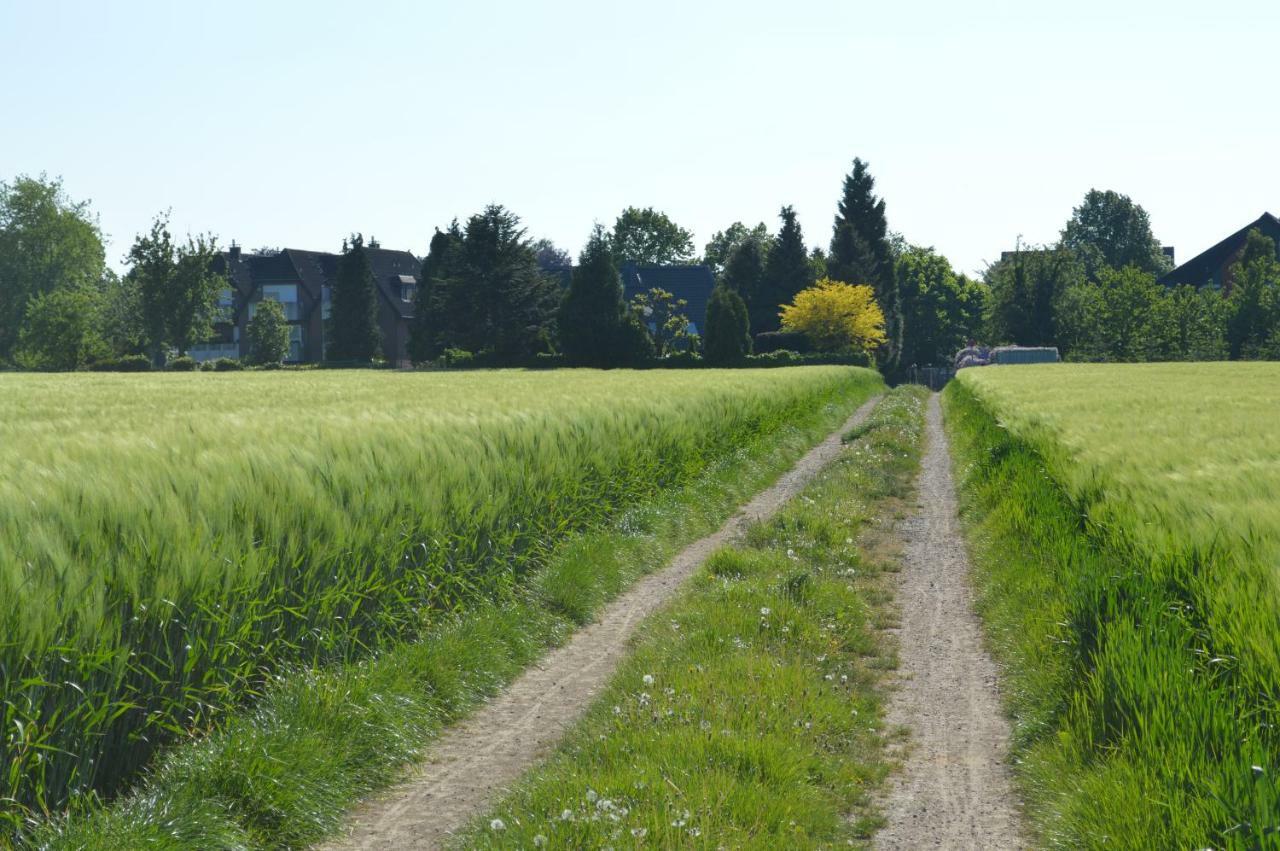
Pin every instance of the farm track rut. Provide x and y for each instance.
(475, 761)
(955, 789)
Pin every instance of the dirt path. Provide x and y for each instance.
(954, 790)
(473, 762)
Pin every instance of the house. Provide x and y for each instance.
(1212, 267)
(302, 282)
(692, 283)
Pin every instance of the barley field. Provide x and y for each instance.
(169, 543)
(1126, 520)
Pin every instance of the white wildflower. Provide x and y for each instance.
(566, 815)
(766, 611)
(497, 824)
(647, 679)
(539, 841)
(591, 796)
(639, 832)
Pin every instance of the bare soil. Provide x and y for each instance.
(476, 760)
(954, 790)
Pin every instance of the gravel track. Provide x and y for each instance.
(954, 790)
(475, 761)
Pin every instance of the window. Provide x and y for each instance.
(297, 340)
(326, 301)
(286, 294)
(226, 304)
(407, 291)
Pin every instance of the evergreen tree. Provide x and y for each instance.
(788, 270)
(439, 273)
(728, 337)
(861, 253)
(498, 300)
(596, 328)
(744, 275)
(353, 333)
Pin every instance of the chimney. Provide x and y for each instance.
(373, 242)
(234, 251)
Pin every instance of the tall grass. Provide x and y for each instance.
(1126, 534)
(167, 543)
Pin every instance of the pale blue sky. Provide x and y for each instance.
(294, 123)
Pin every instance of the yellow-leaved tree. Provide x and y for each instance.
(836, 316)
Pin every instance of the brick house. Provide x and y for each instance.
(301, 281)
(1212, 266)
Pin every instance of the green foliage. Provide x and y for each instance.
(353, 333)
(177, 291)
(728, 337)
(723, 243)
(744, 275)
(225, 365)
(1109, 231)
(48, 242)
(940, 309)
(1253, 313)
(747, 715)
(788, 270)
(1024, 291)
(182, 364)
(663, 314)
(596, 328)
(1125, 540)
(268, 333)
(488, 291)
(124, 363)
(134, 621)
(649, 238)
(60, 330)
(861, 253)
(432, 302)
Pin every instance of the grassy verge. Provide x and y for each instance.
(283, 773)
(1135, 725)
(747, 715)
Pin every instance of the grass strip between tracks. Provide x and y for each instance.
(749, 714)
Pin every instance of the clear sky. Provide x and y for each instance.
(295, 123)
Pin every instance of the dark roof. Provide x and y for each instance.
(691, 283)
(1202, 268)
(317, 269)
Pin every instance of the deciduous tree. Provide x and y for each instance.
(650, 237)
(724, 243)
(61, 330)
(177, 289)
(268, 333)
(1108, 230)
(47, 241)
(836, 316)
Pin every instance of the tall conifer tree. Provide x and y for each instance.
(787, 271)
(728, 337)
(861, 254)
(596, 328)
(439, 274)
(353, 332)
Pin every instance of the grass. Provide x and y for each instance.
(311, 738)
(748, 714)
(1125, 531)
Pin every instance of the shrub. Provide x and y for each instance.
(227, 365)
(837, 316)
(125, 363)
(774, 341)
(456, 359)
(183, 364)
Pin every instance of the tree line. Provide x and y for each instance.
(491, 294)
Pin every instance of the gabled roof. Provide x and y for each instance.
(691, 283)
(318, 269)
(1205, 265)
